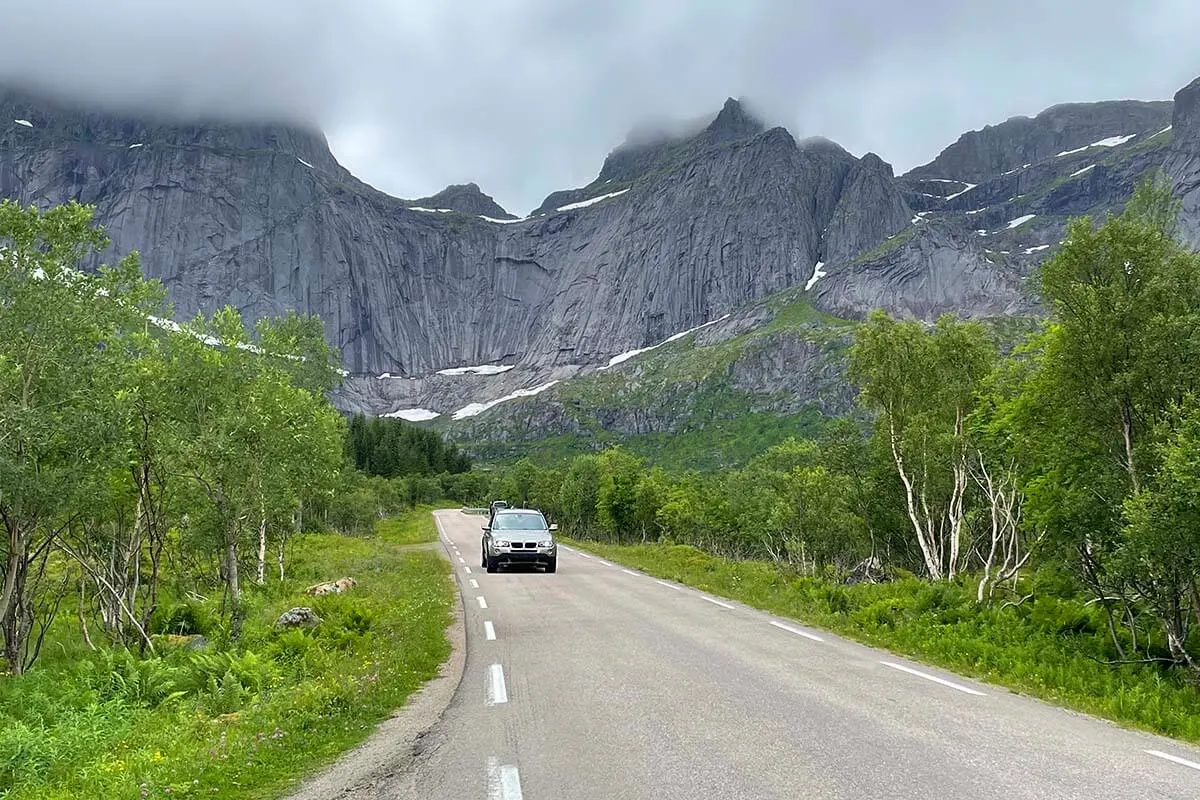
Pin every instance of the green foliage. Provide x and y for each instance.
(1097, 412)
(239, 723)
(888, 245)
(415, 527)
(924, 384)
(393, 448)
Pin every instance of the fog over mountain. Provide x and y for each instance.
(527, 96)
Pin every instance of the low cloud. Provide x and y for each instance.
(527, 96)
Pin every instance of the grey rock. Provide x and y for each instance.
(936, 270)
(467, 198)
(980, 155)
(1183, 161)
(229, 214)
(300, 617)
(869, 210)
(197, 643)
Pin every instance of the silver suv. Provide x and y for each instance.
(518, 536)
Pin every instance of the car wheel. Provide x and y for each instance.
(491, 565)
(482, 557)
(552, 565)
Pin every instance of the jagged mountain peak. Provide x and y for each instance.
(653, 148)
(874, 162)
(467, 198)
(733, 122)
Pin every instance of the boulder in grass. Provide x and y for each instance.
(300, 617)
(340, 586)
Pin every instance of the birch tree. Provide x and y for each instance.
(923, 384)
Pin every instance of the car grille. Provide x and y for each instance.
(525, 545)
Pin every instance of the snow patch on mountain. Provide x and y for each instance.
(592, 201)
(412, 414)
(1111, 141)
(819, 273)
(483, 369)
(621, 357)
(475, 409)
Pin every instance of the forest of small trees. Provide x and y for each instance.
(392, 448)
(138, 454)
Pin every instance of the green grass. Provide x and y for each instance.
(244, 723)
(894, 242)
(688, 396)
(415, 527)
(719, 444)
(1052, 647)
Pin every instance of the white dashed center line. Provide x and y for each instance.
(934, 678)
(482, 602)
(504, 782)
(605, 563)
(669, 585)
(489, 631)
(1176, 759)
(462, 560)
(629, 572)
(497, 692)
(468, 570)
(797, 631)
(584, 555)
(716, 602)
(474, 583)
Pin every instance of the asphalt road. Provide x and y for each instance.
(601, 683)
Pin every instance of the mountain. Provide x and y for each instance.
(767, 242)
(465, 197)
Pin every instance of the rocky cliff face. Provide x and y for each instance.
(1183, 161)
(980, 155)
(677, 230)
(264, 217)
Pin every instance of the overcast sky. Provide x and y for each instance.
(527, 96)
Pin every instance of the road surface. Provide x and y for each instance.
(601, 683)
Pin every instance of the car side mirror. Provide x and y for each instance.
(553, 526)
(486, 528)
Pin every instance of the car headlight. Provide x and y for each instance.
(501, 543)
(546, 543)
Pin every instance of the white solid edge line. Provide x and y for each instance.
(474, 583)
(715, 602)
(489, 630)
(605, 563)
(584, 555)
(934, 678)
(504, 782)
(1176, 759)
(669, 585)
(797, 631)
(482, 602)
(497, 691)
(630, 572)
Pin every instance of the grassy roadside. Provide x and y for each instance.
(414, 527)
(1051, 648)
(247, 722)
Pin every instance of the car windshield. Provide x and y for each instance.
(519, 522)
